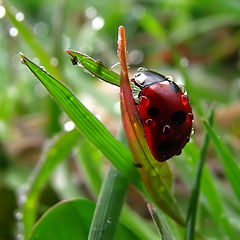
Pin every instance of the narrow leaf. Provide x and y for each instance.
(210, 192)
(87, 123)
(108, 206)
(193, 203)
(230, 165)
(156, 176)
(160, 223)
(95, 67)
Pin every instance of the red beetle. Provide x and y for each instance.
(165, 112)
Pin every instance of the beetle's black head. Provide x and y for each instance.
(145, 78)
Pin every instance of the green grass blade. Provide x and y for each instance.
(193, 202)
(58, 150)
(108, 206)
(160, 223)
(230, 165)
(95, 67)
(208, 187)
(87, 123)
(87, 155)
(89, 159)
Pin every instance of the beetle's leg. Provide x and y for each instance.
(136, 84)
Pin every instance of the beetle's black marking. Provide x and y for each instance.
(165, 146)
(152, 112)
(179, 117)
(174, 87)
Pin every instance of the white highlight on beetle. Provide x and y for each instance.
(2, 11)
(141, 78)
(13, 32)
(68, 126)
(97, 23)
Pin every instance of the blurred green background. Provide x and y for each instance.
(207, 36)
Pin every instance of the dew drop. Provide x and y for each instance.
(184, 100)
(109, 221)
(18, 215)
(193, 131)
(190, 116)
(187, 139)
(150, 123)
(142, 69)
(182, 88)
(2, 11)
(166, 130)
(144, 100)
(20, 237)
(43, 68)
(184, 62)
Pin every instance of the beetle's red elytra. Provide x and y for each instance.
(165, 113)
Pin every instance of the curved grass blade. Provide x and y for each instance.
(156, 176)
(95, 67)
(108, 206)
(53, 155)
(88, 124)
(230, 165)
(160, 223)
(67, 220)
(193, 202)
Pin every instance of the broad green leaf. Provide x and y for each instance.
(108, 206)
(193, 202)
(87, 123)
(95, 67)
(53, 155)
(156, 176)
(230, 165)
(160, 223)
(67, 220)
